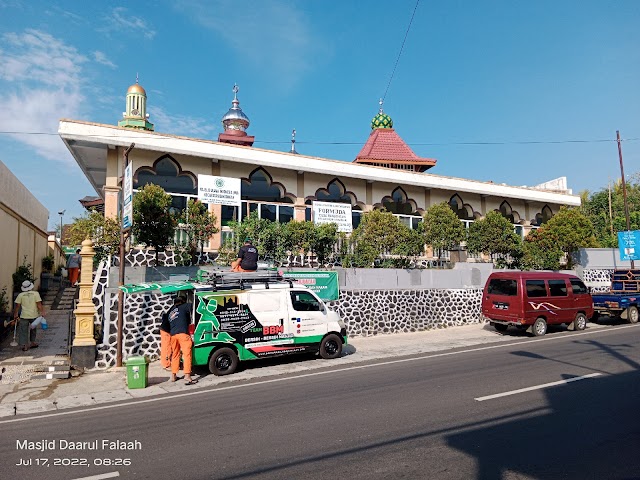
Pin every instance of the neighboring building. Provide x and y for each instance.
(282, 185)
(23, 223)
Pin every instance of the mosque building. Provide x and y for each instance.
(281, 186)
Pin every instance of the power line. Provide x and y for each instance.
(132, 135)
(400, 52)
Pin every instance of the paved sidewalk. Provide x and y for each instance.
(96, 387)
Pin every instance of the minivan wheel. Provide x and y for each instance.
(580, 323)
(501, 327)
(539, 327)
(224, 361)
(331, 346)
(632, 314)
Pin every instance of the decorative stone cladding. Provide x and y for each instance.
(142, 257)
(598, 280)
(366, 312)
(99, 291)
(376, 312)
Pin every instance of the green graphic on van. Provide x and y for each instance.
(207, 329)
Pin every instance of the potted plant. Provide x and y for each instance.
(22, 273)
(46, 275)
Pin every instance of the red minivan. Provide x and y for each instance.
(534, 300)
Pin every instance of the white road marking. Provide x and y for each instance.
(536, 387)
(426, 356)
(100, 477)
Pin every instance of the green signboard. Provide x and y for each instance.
(324, 284)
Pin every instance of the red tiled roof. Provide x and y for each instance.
(385, 145)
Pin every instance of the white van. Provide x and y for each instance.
(247, 316)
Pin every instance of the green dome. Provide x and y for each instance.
(381, 120)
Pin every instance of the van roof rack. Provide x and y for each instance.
(227, 280)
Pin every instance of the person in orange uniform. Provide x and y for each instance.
(165, 342)
(181, 343)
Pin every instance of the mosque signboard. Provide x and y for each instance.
(338, 213)
(127, 217)
(219, 190)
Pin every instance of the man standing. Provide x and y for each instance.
(247, 258)
(73, 264)
(29, 305)
(181, 343)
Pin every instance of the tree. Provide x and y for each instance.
(493, 235)
(442, 228)
(608, 222)
(198, 223)
(153, 224)
(572, 230)
(323, 241)
(540, 251)
(103, 232)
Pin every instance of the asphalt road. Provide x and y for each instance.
(437, 416)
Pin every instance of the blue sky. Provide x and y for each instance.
(499, 72)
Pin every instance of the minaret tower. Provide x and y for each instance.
(136, 115)
(235, 124)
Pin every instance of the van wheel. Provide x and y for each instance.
(539, 327)
(224, 361)
(500, 327)
(632, 314)
(580, 323)
(331, 346)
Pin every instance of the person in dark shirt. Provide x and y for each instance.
(247, 258)
(181, 344)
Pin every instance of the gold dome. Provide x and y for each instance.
(136, 88)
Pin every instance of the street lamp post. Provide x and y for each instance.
(61, 213)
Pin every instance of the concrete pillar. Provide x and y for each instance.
(83, 348)
(216, 240)
(299, 210)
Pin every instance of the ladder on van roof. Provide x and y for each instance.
(242, 280)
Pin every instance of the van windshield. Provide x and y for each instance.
(503, 286)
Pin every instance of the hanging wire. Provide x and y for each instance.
(400, 52)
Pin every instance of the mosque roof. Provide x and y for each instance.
(385, 146)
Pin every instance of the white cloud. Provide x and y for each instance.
(120, 20)
(42, 83)
(273, 35)
(101, 58)
(181, 124)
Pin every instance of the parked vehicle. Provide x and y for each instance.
(534, 300)
(247, 316)
(623, 298)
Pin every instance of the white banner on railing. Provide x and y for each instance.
(339, 213)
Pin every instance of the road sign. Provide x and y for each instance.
(127, 215)
(629, 245)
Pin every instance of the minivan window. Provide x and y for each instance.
(557, 288)
(305, 302)
(502, 286)
(536, 288)
(578, 287)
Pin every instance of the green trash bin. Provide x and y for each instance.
(137, 372)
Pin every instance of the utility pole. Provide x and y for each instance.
(624, 189)
(610, 210)
(124, 231)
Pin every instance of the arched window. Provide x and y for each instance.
(167, 173)
(261, 187)
(464, 211)
(335, 192)
(507, 212)
(399, 203)
(543, 216)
